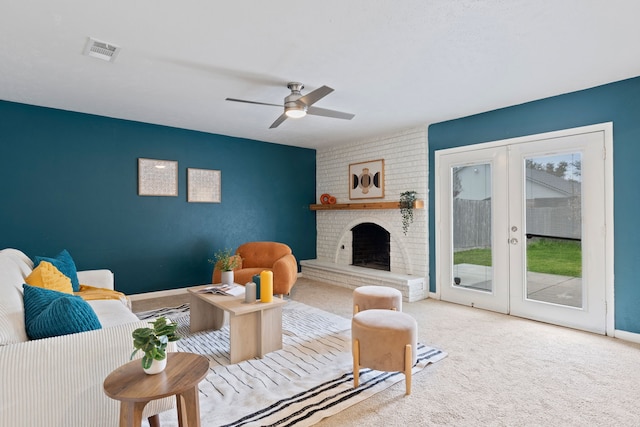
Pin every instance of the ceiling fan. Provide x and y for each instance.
(297, 105)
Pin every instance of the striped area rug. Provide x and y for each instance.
(309, 379)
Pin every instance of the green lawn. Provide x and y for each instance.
(543, 256)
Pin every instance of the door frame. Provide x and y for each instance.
(607, 129)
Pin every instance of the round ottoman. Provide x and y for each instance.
(384, 340)
(368, 297)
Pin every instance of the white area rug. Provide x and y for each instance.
(309, 379)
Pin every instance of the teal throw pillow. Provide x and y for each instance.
(49, 313)
(65, 264)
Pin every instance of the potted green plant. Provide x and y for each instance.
(226, 261)
(153, 342)
(407, 199)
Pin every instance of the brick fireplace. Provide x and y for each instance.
(405, 159)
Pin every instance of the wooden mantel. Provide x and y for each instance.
(418, 204)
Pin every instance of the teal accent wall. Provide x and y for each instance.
(69, 180)
(617, 102)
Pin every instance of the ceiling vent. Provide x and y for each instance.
(101, 50)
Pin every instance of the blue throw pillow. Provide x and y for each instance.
(65, 264)
(50, 313)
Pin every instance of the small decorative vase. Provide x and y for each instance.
(156, 367)
(227, 277)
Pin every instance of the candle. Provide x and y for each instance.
(250, 292)
(256, 280)
(266, 285)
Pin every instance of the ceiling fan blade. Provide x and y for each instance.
(278, 121)
(253, 102)
(315, 96)
(329, 113)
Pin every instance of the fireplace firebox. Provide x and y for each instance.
(371, 246)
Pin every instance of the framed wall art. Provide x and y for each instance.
(366, 180)
(203, 185)
(157, 177)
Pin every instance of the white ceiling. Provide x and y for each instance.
(395, 64)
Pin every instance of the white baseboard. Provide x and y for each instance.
(627, 336)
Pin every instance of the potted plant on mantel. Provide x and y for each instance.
(226, 261)
(407, 199)
(153, 342)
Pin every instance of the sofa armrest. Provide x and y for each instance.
(59, 381)
(96, 278)
(285, 273)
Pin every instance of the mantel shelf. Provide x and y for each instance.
(418, 204)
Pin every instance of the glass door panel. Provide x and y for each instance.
(472, 254)
(558, 230)
(553, 193)
(475, 269)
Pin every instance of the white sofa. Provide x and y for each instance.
(58, 381)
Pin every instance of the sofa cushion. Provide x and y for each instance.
(45, 275)
(112, 312)
(12, 329)
(65, 264)
(50, 313)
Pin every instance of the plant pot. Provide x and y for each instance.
(227, 277)
(156, 367)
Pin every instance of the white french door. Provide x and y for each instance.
(521, 227)
(474, 194)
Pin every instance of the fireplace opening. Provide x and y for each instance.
(371, 246)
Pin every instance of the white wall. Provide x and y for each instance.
(405, 162)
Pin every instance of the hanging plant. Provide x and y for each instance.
(406, 209)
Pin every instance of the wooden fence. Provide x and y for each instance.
(472, 221)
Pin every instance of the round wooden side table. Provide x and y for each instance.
(134, 389)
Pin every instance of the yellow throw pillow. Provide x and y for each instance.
(45, 275)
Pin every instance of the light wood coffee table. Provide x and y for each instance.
(255, 328)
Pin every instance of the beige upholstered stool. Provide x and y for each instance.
(368, 297)
(384, 340)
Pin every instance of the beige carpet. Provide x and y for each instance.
(310, 378)
(501, 371)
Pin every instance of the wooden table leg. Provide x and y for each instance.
(181, 410)
(154, 420)
(189, 408)
(244, 336)
(204, 316)
(270, 331)
(131, 413)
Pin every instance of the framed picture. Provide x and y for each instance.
(203, 185)
(366, 180)
(157, 177)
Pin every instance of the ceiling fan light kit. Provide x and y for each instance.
(295, 112)
(297, 105)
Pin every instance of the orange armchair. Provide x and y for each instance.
(259, 256)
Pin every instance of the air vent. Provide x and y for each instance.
(101, 50)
